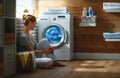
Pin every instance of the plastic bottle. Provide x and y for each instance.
(84, 12)
(90, 12)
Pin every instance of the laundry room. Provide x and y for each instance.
(88, 40)
(60, 38)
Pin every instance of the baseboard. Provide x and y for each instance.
(79, 55)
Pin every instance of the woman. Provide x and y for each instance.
(25, 42)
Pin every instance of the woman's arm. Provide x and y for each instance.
(50, 50)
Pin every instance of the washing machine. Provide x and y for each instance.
(58, 30)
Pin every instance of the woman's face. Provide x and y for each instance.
(32, 25)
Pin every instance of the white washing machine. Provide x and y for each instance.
(58, 29)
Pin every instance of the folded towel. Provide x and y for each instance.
(56, 10)
(115, 35)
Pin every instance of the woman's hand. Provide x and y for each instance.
(50, 50)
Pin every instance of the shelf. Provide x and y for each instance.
(113, 40)
(112, 11)
(7, 25)
(87, 24)
(88, 21)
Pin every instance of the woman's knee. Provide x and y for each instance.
(44, 40)
(43, 44)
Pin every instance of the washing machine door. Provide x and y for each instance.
(56, 35)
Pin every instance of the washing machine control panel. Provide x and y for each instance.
(61, 16)
(58, 17)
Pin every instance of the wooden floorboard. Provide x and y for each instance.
(77, 69)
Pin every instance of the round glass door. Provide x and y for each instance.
(55, 35)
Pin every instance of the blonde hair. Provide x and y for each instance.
(28, 18)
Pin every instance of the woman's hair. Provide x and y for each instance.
(28, 18)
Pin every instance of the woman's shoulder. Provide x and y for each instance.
(22, 35)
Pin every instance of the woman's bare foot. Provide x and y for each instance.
(57, 64)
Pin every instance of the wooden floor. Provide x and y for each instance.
(78, 69)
